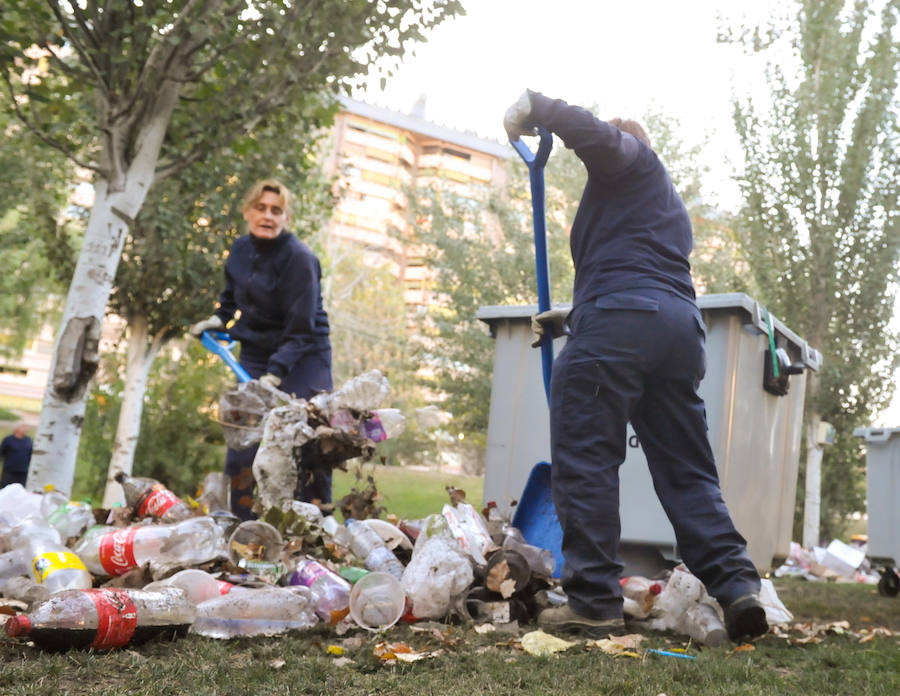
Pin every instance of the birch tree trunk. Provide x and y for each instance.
(813, 484)
(118, 198)
(142, 351)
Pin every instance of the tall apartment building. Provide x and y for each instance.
(378, 154)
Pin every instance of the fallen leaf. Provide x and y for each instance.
(485, 628)
(334, 650)
(542, 644)
(276, 664)
(745, 647)
(342, 661)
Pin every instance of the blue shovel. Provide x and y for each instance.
(535, 514)
(221, 343)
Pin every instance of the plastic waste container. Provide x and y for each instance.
(882, 493)
(754, 431)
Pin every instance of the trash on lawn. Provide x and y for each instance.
(297, 566)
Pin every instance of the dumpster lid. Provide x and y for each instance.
(731, 301)
(876, 434)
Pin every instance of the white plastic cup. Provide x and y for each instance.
(377, 601)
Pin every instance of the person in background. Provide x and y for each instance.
(635, 352)
(15, 450)
(274, 281)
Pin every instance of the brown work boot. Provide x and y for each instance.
(745, 618)
(564, 620)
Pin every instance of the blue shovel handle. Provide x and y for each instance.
(213, 342)
(536, 162)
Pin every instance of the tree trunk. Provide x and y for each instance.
(76, 354)
(813, 484)
(140, 360)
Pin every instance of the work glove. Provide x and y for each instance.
(270, 380)
(214, 323)
(553, 321)
(517, 119)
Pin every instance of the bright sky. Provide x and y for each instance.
(624, 57)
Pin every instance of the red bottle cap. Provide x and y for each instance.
(18, 626)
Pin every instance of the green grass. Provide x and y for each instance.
(407, 493)
(470, 663)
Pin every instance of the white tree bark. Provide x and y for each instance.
(76, 354)
(142, 351)
(813, 485)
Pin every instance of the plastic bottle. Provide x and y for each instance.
(116, 550)
(103, 619)
(265, 611)
(331, 592)
(53, 564)
(368, 545)
(16, 503)
(197, 584)
(147, 497)
(71, 518)
(642, 592)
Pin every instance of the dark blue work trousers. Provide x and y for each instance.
(310, 375)
(637, 356)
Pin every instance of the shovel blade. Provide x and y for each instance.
(535, 514)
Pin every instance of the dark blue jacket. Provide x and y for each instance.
(632, 229)
(16, 453)
(276, 285)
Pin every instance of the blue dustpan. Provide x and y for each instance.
(535, 514)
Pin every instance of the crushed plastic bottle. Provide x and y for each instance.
(368, 545)
(642, 592)
(103, 619)
(684, 607)
(266, 611)
(114, 551)
(330, 592)
(52, 563)
(437, 573)
(197, 584)
(16, 503)
(149, 498)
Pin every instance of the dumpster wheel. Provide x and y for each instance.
(889, 584)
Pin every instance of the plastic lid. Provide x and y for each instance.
(18, 625)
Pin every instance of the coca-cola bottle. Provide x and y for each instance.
(331, 592)
(116, 550)
(147, 497)
(104, 619)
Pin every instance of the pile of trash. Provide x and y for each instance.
(838, 562)
(72, 576)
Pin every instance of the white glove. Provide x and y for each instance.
(270, 380)
(516, 119)
(553, 320)
(214, 323)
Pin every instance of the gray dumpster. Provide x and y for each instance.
(882, 493)
(755, 434)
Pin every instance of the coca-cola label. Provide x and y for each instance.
(117, 551)
(116, 618)
(224, 586)
(156, 504)
(46, 563)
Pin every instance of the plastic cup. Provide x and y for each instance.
(377, 601)
(253, 540)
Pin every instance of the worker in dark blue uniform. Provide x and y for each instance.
(15, 451)
(274, 280)
(635, 352)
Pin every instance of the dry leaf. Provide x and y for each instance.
(542, 644)
(276, 664)
(746, 647)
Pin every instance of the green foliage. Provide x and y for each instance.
(180, 440)
(819, 228)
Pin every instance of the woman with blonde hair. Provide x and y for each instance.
(274, 280)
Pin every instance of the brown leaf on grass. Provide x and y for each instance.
(618, 645)
(745, 647)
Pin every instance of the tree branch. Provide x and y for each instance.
(62, 147)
